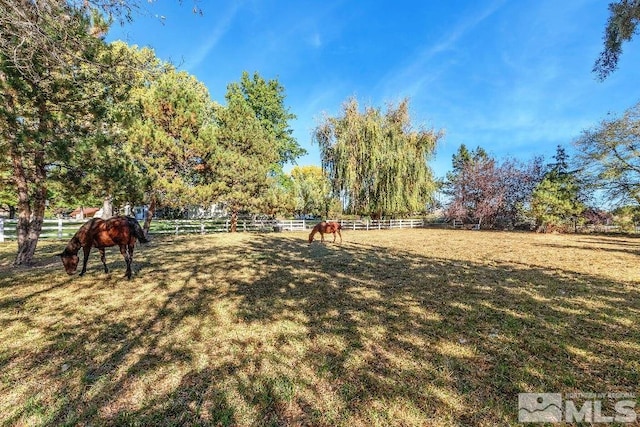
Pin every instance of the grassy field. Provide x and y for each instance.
(403, 327)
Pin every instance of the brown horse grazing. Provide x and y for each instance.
(120, 230)
(326, 227)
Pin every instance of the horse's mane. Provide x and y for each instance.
(137, 230)
(77, 240)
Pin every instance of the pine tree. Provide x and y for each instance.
(172, 139)
(243, 155)
(556, 200)
(57, 79)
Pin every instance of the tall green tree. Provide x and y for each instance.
(279, 198)
(243, 155)
(377, 162)
(102, 170)
(50, 106)
(312, 190)
(609, 157)
(172, 140)
(267, 100)
(624, 16)
(462, 158)
(557, 200)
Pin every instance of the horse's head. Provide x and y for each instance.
(311, 237)
(70, 262)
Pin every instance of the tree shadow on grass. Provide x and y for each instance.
(272, 331)
(618, 248)
(444, 337)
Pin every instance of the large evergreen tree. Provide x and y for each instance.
(557, 201)
(172, 141)
(243, 155)
(51, 106)
(624, 17)
(377, 162)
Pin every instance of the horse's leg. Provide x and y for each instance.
(131, 247)
(103, 258)
(124, 250)
(321, 236)
(86, 250)
(339, 234)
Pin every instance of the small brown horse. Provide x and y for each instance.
(326, 227)
(120, 230)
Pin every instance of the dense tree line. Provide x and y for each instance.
(85, 122)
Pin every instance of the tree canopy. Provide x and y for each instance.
(244, 154)
(53, 107)
(312, 190)
(377, 161)
(609, 156)
(490, 193)
(557, 200)
(169, 139)
(266, 99)
(624, 16)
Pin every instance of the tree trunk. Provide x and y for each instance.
(29, 219)
(150, 212)
(107, 207)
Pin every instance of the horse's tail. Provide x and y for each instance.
(138, 231)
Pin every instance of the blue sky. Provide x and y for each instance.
(511, 76)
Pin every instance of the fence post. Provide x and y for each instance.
(1, 229)
(201, 226)
(59, 228)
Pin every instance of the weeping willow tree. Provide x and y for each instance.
(378, 162)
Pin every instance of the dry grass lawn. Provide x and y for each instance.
(404, 327)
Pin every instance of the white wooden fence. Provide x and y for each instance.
(66, 228)
(51, 228)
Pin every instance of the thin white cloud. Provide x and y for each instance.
(315, 40)
(418, 71)
(200, 55)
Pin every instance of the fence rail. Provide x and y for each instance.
(66, 228)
